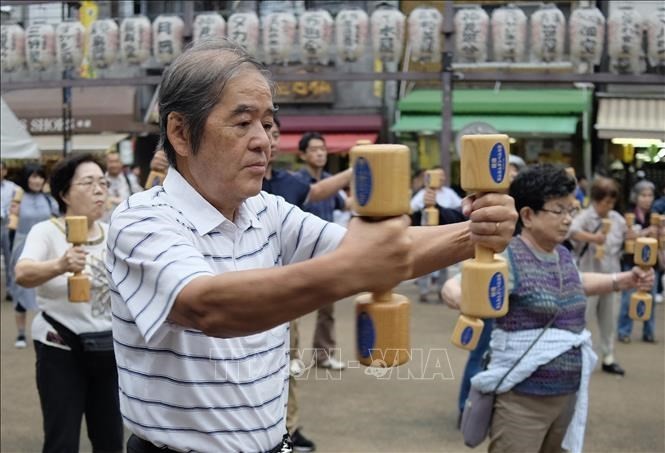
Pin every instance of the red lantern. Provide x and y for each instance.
(243, 28)
(587, 35)
(471, 32)
(40, 46)
(279, 37)
(656, 38)
(103, 43)
(388, 34)
(167, 34)
(316, 34)
(208, 24)
(351, 27)
(425, 34)
(509, 34)
(548, 32)
(624, 33)
(135, 39)
(69, 48)
(12, 47)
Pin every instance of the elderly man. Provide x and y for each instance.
(207, 270)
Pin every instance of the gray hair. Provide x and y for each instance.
(640, 187)
(194, 83)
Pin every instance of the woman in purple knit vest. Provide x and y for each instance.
(541, 404)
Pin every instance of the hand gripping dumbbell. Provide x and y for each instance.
(434, 181)
(155, 178)
(484, 162)
(12, 224)
(629, 244)
(380, 188)
(78, 285)
(605, 226)
(641, 303)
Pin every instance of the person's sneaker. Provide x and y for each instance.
(423, 298)
(331, 363)
(9, 297)
(296, 367)
(658, 299)
(20, 342)
(613, 368)
(301, 443)
(624, 339)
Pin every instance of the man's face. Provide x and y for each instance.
(113, 164)
(235, 146)
(274, 142)
(316, 153)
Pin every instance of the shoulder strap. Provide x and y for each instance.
(129, 184)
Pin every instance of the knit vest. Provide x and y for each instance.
(541, 287)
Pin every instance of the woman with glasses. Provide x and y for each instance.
(541, 403)
(587, 236)
(76, 369)
(35, 206)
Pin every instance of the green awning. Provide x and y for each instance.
(505, 124)
(496, 102)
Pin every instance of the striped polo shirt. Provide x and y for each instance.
(179, 387)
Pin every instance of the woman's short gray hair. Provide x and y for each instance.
(640, 187)
(194, 83)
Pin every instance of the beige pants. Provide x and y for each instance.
(530, 424)
(324, 334)
(603, 309)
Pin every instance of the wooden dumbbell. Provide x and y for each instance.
(78, 285)
(12, 223)
(605, 226)
(155, 178)
(484, 162)
(641, 303)
(434, 181)
(380, 188)
(629, 244)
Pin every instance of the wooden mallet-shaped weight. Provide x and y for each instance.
(380, 188)
(605, 226)
(155, 178)
(434, 181)
(629, 244)
(78, 285)
(641, 303)
(484, 162)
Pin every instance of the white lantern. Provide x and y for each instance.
(40, 46)
(388, 34)
(243, 28)
(624, 33)
(656, 38)
(135, 39)
(548, 32)
(425, 34)
(103, 43)
(69, 44)
(509, 34)
(587, 35)
(167, 34)
(351, 28)
(208, 24)
(471, 34)
(316, 34)
(12, 47)
(279, 37)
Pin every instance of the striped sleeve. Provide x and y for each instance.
(150, 259)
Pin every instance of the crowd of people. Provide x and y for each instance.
(170, 267)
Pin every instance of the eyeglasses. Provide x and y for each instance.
(561, 212)
(90, 183)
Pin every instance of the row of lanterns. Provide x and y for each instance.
(42, 45)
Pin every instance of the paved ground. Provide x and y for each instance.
(355, 411)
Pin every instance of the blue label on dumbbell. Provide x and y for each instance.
(646, 254)
(497, 291)
(641, 308)
(498, 162)
(362, 175)
(467, 335)
(365, 334)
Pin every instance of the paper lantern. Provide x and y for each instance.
(69, 44)
(40, 46)
(387, 34)
(243, 28)
(316, 35)
(509, 34)
(587, 35)
(12, 47)
(548, 33)
(167, 34)
(656, 38)
(351, 28)
(103, 43)
(425, 34)
(624, 34)
(471, 34)
(279, 37)
(135, 39)
(208, 24)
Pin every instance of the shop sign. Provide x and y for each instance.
(315, 91)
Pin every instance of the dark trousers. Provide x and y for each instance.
(137, 445)
(71, 385)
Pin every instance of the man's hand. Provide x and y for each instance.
(493, 219)
(598, 238)
(159, 162)
(429, 198)
(378, 253)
